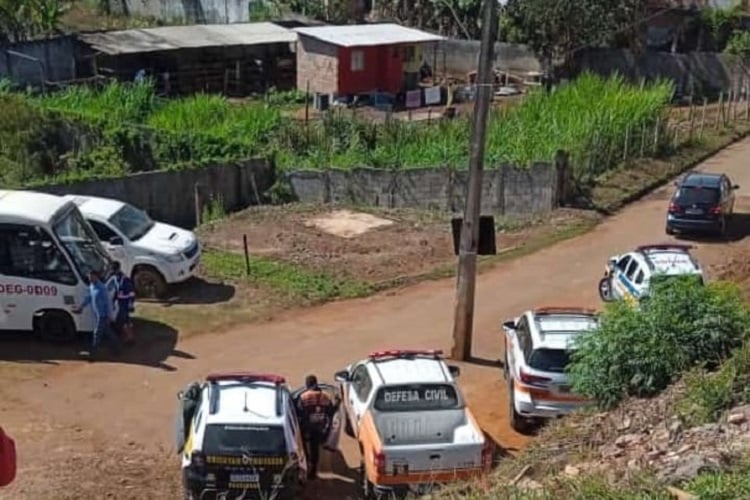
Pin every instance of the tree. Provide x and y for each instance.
(25, 19)
(557, 29)
(638, 352)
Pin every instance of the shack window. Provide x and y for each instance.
(358, 60)
(416, 397)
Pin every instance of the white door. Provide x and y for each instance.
(359, 393)
(114, 243)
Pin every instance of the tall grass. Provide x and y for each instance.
(589, 118)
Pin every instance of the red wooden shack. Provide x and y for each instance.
(360, 58)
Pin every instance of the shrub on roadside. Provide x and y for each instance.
(638, 352)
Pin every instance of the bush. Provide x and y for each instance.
(638, 352)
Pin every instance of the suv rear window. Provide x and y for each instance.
(690, 195)
(416, 397)
(224, 439)
(549, 360)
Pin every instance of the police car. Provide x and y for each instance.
(537, 352)
(239, 438)
(629, 275)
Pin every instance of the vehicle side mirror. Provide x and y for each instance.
(342, 376)
(116, 241)
(612, 261)
(179, 395)
(736, 186)
(509, 325)
(455, 370)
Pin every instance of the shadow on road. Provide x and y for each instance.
(155, 343)
(737, 229)
(337, 480)
(490, 363)
(196, 291)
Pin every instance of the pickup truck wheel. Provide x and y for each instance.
(149, 282)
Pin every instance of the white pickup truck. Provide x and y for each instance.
(411, 422)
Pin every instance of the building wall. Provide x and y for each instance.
(193, 11)
(382, 71)
(57, 56)
(509, 190)
(318, 65)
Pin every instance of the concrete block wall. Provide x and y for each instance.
(169, 195)
(505, 190)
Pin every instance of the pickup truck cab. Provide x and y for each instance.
(152, 253)
(412, 424)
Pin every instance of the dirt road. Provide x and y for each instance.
(128, 403)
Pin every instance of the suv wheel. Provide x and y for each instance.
(149, 283)
(605, 289)
(517, 422)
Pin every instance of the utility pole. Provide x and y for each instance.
(467, 258)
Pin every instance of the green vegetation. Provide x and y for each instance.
(638, 352)
(125, 128)
(283, 278)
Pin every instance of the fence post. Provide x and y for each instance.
(720, 111)
(703, 116)
(247, 255)
(643, 139)
(692, 120)
(656, 135)
(198, 203)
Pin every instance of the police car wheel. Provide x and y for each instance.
(605, 289)
(517, 422)
(54, 326)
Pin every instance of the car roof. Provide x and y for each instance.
(701, 179)
(32, 206)
(669, 260)
(412, 370)
(96, 206)
(246, 403)
(555, 328)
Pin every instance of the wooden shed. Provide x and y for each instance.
(359, 59)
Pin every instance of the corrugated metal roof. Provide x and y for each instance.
(362, 35)
(182, 37)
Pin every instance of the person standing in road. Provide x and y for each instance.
(125, 301)
(316, 410)
(98, 297)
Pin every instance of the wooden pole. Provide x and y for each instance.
(247, 255)
(720, 111)
(198, 203)
(627, 143)
(703, 116)
(656, 135)
(643, 140)
(692, 120)
(467, 258)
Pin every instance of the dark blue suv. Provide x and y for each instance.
(702, 203)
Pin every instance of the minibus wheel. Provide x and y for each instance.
(54, 326)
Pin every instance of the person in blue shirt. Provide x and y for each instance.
(98, 297)
(125, 300)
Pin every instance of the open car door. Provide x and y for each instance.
(187, 403)
(334, 434)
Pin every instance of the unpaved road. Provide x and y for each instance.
(117, 404)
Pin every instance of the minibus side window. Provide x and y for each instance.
(27, 252)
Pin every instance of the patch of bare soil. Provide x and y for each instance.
(373, 246)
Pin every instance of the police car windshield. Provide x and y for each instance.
(549, 360)
(416, 397)
(223, 439)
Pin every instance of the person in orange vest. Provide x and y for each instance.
(316, 415)
(7, 459)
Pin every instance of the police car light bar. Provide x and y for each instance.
(665, 246)
(406, 353)
(248, 377)
(539, 311)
